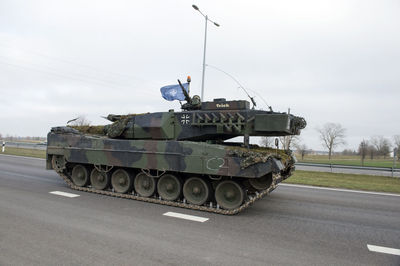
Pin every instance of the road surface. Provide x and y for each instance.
(292, 226)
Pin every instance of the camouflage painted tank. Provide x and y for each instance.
(178, 159)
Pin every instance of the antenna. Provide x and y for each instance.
(269, 107)
(240, 85)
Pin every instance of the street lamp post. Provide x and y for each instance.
(395, 152)
(204, 50)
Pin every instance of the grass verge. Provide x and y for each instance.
(25, 152)
(378, 161)
(348, 181)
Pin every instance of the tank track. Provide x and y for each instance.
(213, 209)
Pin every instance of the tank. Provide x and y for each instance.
(182, 159)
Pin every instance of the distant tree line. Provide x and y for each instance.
(79, 121)
(349, 152)
(17, 138)
(378, 146)
(332, 135)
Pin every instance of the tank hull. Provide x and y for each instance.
(227, 178)
(176, 156)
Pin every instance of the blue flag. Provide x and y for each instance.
(174, 92)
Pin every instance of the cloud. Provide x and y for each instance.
(329, 61)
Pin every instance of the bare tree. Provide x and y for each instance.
(382, 145)
(288, 141)
(302, 149)
(386, 149)
(268, 142)
(332, 136)
(396, 141)
(371, 151)
(362, 150)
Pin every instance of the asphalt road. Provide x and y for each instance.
(292, 226)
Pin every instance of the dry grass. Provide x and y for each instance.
(349, 160)
(25, 152)
(349, 181)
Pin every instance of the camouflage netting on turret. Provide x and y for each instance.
(94, 130)
(113, 130)
(259, 155)
(117, 128)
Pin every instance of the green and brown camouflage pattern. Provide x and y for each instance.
(172, 156)
(185, 142)
(218, 121)
(186, 145)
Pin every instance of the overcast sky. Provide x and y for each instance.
(329, 61)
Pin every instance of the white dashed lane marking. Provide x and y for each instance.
(392, 251)
(64, 194)
(186, 217)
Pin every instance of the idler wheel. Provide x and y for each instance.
(144, 185)
(121, 181)
(169, 187)
(58, 163)
(261, 183)
(99, 180)
(229, 194)
(80, 175)
(196, 191)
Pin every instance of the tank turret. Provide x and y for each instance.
(215, 120)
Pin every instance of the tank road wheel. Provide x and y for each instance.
(80, 175)
(196, 191)
(169, 187)
(99, 180)
(121, 181)
(261, 183)
(229, 194)
(144, 185)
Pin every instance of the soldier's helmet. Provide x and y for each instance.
(196, 101)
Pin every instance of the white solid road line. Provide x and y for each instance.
(64, 194)
(392, 251)
(341, 190)
(186, 217)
